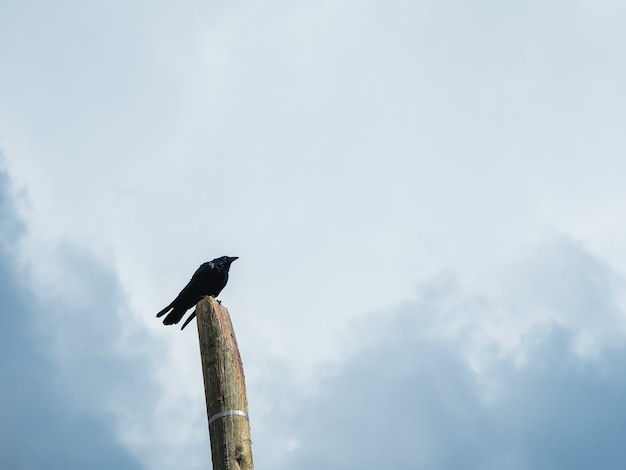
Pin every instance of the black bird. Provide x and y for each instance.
(209, 279)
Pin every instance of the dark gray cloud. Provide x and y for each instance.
(42, 424)
(413, 398)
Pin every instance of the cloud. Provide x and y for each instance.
(438, 384)
(397, 137)
(341, 149)
(51, 411)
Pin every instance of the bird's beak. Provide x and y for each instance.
(233, 258)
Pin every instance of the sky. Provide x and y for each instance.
(427, 203)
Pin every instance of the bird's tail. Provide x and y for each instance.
(164, 311)
(191, 317)
(174, 316)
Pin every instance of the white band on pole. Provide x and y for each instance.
(228, 413)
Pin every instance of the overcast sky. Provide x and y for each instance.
(426, 197)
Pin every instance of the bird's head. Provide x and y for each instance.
(225, 260)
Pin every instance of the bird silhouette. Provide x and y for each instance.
(209, 279)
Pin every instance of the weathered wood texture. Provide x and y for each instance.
(225, 388)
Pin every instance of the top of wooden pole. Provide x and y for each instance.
(225, 388)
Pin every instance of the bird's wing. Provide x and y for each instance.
(190, 295)
(204, 269)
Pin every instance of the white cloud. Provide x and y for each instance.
(345, 151)
(432, 386)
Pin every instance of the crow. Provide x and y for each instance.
(209, 279)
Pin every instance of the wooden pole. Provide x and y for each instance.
(224, 387)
